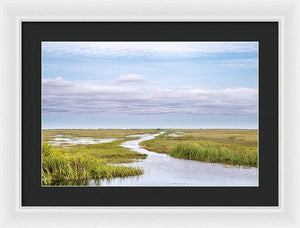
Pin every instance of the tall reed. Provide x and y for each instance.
(207, 151)
(61, 166)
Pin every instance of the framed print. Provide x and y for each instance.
(19, 208)
(150, 113)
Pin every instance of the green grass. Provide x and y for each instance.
(60, 167)
(207, 151)
(110, 152)
(233, 147)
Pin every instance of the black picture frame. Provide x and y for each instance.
(266, 194)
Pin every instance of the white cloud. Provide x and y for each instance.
(129, 78)
(136, 49)
(65, 96)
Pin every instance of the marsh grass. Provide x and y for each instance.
(207, 151)
(111, 152)
(61, 166)
(74, 164)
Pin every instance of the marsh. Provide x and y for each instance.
(143, 167)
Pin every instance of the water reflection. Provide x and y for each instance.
(70, 182)
(118, 181)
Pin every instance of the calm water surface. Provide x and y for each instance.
(163, 170)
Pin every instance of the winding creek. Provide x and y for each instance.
(163, 170)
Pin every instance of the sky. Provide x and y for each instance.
(149, 85)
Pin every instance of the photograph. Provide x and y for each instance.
(150, 113)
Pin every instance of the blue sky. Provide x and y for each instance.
(149, 84)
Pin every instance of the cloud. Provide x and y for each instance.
(148, 49)
(60, 96)
(129, 78)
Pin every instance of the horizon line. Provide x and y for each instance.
(149, 128)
